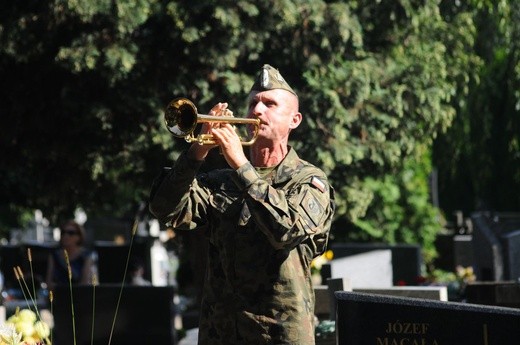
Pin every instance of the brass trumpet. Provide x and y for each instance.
(181, 119)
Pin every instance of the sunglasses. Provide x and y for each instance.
(69, 232)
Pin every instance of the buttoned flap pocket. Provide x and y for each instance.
(313, 210)
(223, 202)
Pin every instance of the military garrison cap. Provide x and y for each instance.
(270, 78)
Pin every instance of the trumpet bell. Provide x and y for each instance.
(181, 117)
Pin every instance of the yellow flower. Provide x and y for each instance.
(329, 255)
(30, 341)
(41, 329)
(27, 315)
(318, 261)
(25, 327)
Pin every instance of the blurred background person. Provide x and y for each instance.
(72, 239)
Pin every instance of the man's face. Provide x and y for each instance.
(277, 111)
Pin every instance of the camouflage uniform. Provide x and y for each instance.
(263, 234)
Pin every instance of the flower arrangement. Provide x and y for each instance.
(24, 328)
(455, 281)
(465, 275)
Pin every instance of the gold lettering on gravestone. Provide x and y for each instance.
(485, 331)
(406, 333)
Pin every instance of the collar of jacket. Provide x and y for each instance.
(288, 167)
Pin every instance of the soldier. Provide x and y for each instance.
(265, 218)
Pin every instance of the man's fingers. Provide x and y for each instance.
(218, 109)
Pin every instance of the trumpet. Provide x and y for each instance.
(181, 118)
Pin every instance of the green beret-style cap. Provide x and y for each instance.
(270, 78)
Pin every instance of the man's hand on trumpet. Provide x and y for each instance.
(226, 136)
(197, 151)
(230, 145)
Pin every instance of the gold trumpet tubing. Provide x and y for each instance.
(202, 118)
(208, 139)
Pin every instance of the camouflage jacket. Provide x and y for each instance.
(263, 234)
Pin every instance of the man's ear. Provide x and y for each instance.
(296, 119)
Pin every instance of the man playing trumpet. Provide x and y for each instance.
(265, 218)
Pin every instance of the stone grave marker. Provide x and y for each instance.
(511, 243)
(504, 294)
(145, 315)
(406, 258)
(439, 293)
(496, 244)
(369, 269)
(463, 251)
(367, 319)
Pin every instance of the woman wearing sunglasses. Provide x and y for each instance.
(72, 238)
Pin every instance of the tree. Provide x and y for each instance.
(481, 171)
(377, 82)
(76, 119)
(383, 109)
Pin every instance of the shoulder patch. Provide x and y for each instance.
(313, 211)
(316, 182)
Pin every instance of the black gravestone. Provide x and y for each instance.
(489, 262)
(10, 257)
(112, 258)
(445, 247)
(504, 294)
(367, 319)
(145, 315)
(496, 243)
(511, 250)
(406, 258)
(463, 251)
(40, 258)
(454, 250)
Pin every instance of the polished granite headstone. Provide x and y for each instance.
(496, 243)
(143, 316)
(369, 319)
(503, 294)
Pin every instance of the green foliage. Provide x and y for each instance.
(73, 135)
(481, 169)
(86, 83)
(401, 211)
(374, 111)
